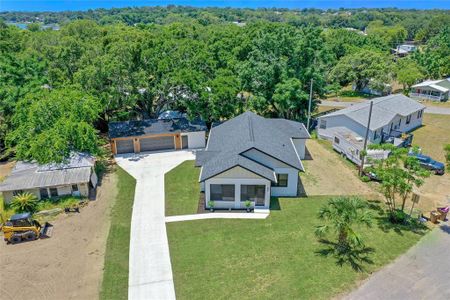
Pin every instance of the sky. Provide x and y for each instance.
(60, 5)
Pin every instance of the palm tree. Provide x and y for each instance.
(341, 214)
(24, 202)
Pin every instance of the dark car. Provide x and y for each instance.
(430, 164)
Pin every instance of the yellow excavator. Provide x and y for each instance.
(21, 227)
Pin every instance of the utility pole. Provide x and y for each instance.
(363, 155)
(309, 104)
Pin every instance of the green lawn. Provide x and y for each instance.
(115, 274)
(273, 258)
(182, 189)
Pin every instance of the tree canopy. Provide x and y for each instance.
(60, 88)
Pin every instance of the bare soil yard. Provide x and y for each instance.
(5, 169)
(69, 265)
(328, 174)
(431, 138)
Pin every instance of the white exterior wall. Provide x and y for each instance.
(8, 196)
(237, 176)
(299, 145)
(279, 168)
(63, 190)
(292, 188)
(196, 139)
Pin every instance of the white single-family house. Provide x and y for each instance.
(435, 90)
(391, 116)
(251, 158)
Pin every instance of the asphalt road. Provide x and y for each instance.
(422, 273)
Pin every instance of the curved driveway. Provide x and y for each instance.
(150, 270)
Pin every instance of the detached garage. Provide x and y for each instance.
(154, 135)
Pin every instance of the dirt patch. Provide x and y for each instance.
(5, 169)
(434, 193)
(327, 174)
(70, 264)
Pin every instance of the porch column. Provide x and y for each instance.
(237, 195)
(267, 193)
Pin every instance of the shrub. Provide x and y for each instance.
(398, 216)
(365, 178)
(25, 202)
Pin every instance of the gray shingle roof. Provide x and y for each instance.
(28, 175)
(384, 110)
(230, 139)
(154, 126)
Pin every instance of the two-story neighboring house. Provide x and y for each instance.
(250, 158)
(435, 90)
(391, 116)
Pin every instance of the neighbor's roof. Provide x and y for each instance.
(442, 85)
(29, 175)
(384, 110)
(229, 140)
(154, 126)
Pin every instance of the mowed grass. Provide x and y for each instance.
(115, 274)
(182, 189)
(276, 258)
(433, 135)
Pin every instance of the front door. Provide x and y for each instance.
(260, 195)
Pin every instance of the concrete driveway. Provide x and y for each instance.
(150, 270)
(422, 273)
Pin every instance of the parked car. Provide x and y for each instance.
(428, 163)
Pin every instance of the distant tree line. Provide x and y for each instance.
(59, 89)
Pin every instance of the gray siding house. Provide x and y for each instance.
(391, 116)
(74, 177)
(250, 158)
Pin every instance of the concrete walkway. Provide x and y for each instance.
(422, 273)
(216, 216)
(428, 110)
(150, 270)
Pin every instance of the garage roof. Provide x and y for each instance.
(154, 126)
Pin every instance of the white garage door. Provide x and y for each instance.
(159, 143)
(124, 146)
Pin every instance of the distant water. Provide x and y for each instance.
(61, 5)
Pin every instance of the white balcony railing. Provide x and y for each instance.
(426, 96)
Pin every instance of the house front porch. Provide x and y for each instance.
(429, 95)
(227, 193)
